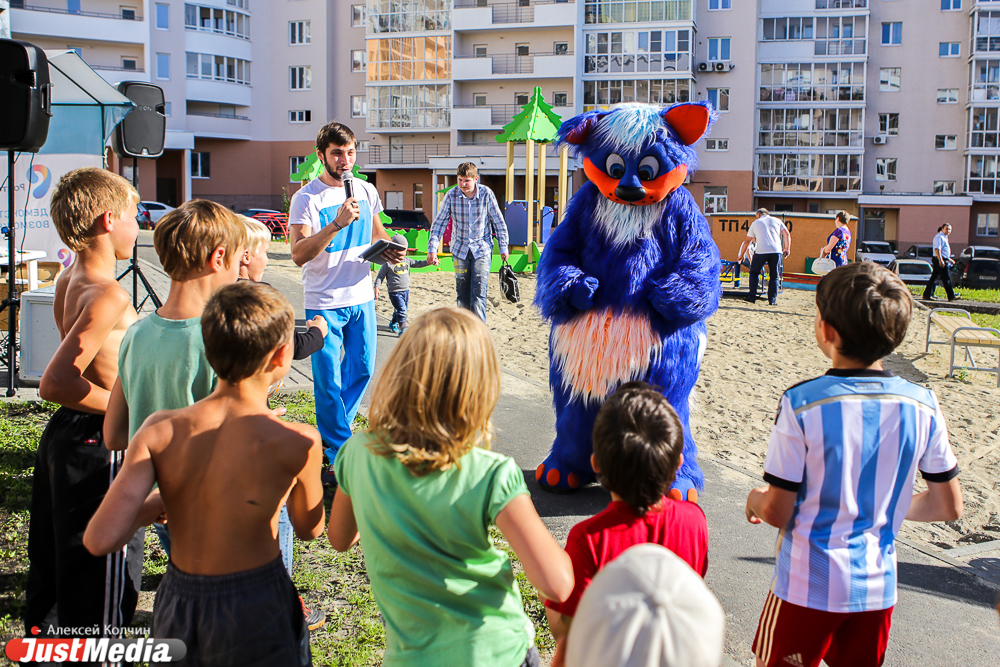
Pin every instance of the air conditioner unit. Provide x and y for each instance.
(721, 67)
(703, 67)
(880, 139)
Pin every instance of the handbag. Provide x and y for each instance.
(508, 283)
(823, 266)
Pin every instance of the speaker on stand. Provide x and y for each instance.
(140, 134)
(25, 109)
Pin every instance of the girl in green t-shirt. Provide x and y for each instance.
(421, 490)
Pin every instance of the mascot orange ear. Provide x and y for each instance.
(579, 134)
(689, 121)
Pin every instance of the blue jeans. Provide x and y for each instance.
(342, 370)
(400, 301)
(471, 280)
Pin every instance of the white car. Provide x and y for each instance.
(911, 271)
(156, 210)
(879, 252)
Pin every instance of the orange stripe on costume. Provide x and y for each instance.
(598, 350)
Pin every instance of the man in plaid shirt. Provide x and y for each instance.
(475, 219)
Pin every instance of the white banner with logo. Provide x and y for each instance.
(35, 176)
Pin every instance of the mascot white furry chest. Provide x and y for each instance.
(627, 279)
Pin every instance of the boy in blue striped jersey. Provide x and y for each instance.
(840, 468)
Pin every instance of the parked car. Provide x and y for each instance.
(911, 271)
(402, 219)
(143, 217)
(980, 252)
(252, 212)
(879, 252)
(977, 273)
(920, 251)
(156, 210)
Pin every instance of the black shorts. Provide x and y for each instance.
(246, 619)
(67, 586)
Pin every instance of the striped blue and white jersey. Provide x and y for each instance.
(337, 277)
(850, 443)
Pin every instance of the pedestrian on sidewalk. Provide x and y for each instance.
(773, 241)
(397, 279)
(941, 263)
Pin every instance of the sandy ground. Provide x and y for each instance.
(755, 353)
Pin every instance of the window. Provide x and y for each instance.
(521, 98)
(719, 97)
(607, 11)
(358, 16)
(166, 108)
(479, 50)
(300, 116)
(560, 99)
(718, 48)
(987, 224)
(417, 106)
(299, 32)
(816, 82)
(840, 35)
(364, 145)
(951, 5)
(892, 34)
(218, 68)
(716, 144)
(944, 187)
(888, 79)
(294, 162)
(985, 130)
(411, 16)
(802, 127)
(128, 13)
(949, 49)
(217, 20)
(788, 29)
(299, 78)
(522, 49)
(947, 95)
(987, 32)
(809, 172)
(602, 94)
(163, 66)
(885, 169)
(560, 48)
(129, 64)
(945, 142)
(715, 199)
(418, 196)
(359, 60)
(718, 5)
(200, 165)
(888, 124)
(637, 51)
(479, 99)
(162, 17)
(359, 106)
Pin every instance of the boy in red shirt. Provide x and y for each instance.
(638, 441)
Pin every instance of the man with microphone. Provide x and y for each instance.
(332, 220)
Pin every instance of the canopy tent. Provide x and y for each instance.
(85, 107)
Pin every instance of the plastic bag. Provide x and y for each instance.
(508, 283)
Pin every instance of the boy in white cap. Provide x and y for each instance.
(648, 608)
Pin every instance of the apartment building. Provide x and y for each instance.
(887, 108)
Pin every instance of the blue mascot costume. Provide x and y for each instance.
(627, 279)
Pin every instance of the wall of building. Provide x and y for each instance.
(739, 187)
(976, 209)
(919, 224)
(402, 180)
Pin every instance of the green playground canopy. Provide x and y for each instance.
(536, 121)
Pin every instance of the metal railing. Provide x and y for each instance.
(406, 154)
(500, 114)
(513, 63)
(206, 114)
(522, 11)
(115, 68)
(841, 4)
(15, 4)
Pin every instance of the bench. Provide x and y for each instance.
(963, 331)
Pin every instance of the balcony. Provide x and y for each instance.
(497, 114)
(217, 125)
(114, 75)
(123, 15)
(484, 14)
(495, 149)
(27, 20)
(512, 65)
(406, 154)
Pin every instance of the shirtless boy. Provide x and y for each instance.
(94, 211)
(225, 466)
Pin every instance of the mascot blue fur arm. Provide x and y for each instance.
(627, 279)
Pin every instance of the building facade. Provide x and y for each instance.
(889, 109)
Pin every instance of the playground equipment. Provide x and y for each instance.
(535, 123)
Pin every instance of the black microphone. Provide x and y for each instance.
(348, 185)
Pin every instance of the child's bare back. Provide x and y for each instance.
(224, 470)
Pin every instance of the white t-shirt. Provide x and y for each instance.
(767, 231)
(337, 277)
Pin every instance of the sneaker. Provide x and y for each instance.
(394, 327)
(328, 477)
(314, 617)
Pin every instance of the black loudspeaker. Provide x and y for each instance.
(142, 132)
(25, 96)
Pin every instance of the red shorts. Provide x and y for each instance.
(792, 636)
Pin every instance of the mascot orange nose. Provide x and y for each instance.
(630, 194)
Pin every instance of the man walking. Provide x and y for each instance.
(328, 233)
(941, 261)
(773, 242)
(475, 218)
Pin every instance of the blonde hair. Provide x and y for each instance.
(433, 400)
(186, 237)
(243, 324)
(83, 195)
(257, 233)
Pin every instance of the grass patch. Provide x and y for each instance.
(967, 293)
